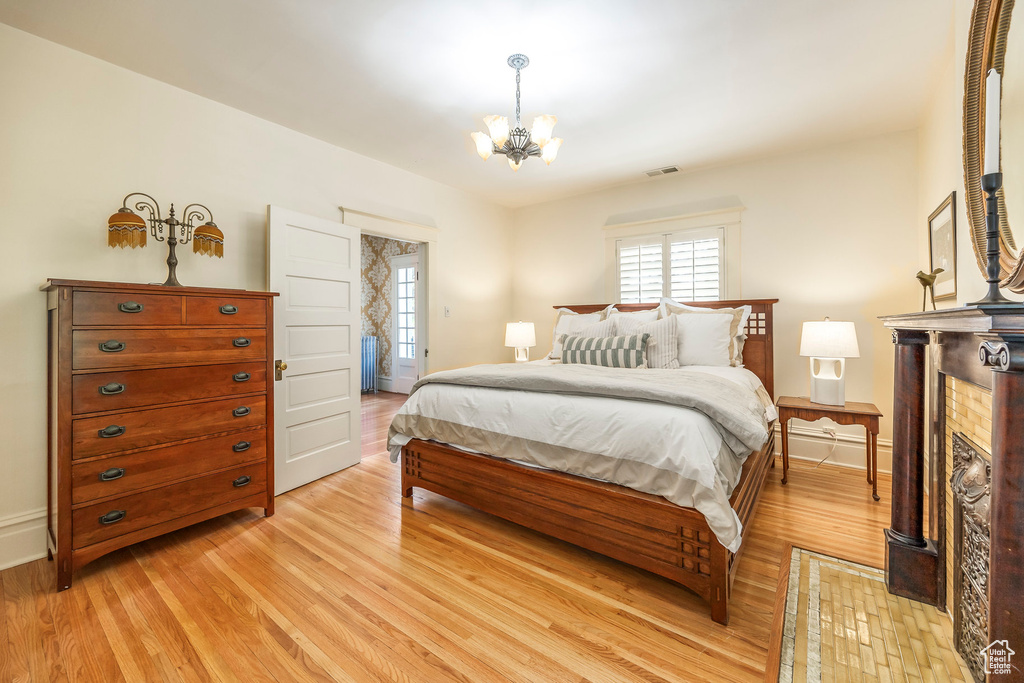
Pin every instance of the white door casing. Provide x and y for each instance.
(315, 266)
(405, 315)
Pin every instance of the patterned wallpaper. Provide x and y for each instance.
(376, 253)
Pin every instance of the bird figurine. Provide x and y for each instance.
(927, 281)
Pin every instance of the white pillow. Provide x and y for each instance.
(662, 345)
(639, 316)
(605, 328)
(567, 322)
(669, 307)
(704, 339)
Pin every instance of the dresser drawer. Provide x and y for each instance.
(141, 510)
(208, 310)
(121, 474)
(125, 308)
(136, 388)
(131, 348)
(142, 428)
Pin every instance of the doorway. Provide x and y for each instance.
(393, 311)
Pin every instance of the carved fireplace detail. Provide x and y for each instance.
(971, 485)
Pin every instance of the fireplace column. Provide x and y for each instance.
(1006, 559)
(911, 563)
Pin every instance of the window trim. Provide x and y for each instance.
(728, 221)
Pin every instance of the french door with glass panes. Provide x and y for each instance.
(404, 343)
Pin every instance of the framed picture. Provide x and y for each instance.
(942, 246)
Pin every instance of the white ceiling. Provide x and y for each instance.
(636, 84)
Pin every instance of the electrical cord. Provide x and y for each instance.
(835, 443)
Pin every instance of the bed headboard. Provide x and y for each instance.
(758, 350)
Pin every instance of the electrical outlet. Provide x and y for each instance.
(447, 312)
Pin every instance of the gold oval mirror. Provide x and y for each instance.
(992, 45)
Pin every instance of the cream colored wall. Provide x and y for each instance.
(828, 232)
(77, 134)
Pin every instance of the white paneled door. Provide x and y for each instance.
(315, 266)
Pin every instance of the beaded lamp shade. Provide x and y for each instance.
(208, 240)
(126, 229)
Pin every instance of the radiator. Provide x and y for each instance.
(369, 364)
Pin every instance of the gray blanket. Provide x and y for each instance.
(737, 414)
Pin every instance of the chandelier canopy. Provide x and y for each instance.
(518, 143)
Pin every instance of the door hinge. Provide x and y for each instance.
(426, 352)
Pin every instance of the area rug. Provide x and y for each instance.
(835, 621)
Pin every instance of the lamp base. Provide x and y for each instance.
(828, 387)
(522, 354)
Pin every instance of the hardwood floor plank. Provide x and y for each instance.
(126, 639)
(351, 582)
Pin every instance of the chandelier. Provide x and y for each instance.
(518, 143)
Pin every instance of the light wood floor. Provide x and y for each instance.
(346, 583)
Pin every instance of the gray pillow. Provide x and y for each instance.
(627, 351)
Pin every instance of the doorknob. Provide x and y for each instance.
(279, 367)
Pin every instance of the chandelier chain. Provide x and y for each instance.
(518, 124)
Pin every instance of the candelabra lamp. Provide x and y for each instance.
(129, 229)
(990, 183)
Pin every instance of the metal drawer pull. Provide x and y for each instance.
(241, 412)
(112, 346)
(112, 516)
(228, 309)
(241, 341)
(111, 431)
(130, 307)
(112, 474)
(241, 481)
(241, 446)
(112, 388)
(241, 377)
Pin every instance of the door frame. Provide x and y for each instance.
(427, 237)
(419, 302)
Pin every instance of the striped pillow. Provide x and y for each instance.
(627, 351)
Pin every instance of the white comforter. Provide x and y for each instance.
(657, 448)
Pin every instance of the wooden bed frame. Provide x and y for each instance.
(640, 529)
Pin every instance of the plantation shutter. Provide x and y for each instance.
(641, 270)
(688, 265)
(695, 268)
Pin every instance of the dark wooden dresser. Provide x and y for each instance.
(160, 412)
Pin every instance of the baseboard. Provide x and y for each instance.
(811, 444)
(22, 538)
(383, 383)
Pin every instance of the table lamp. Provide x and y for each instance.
(830, 343)
(520, 336)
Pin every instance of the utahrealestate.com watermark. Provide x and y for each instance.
(997, 657)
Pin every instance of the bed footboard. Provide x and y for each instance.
(639, 529)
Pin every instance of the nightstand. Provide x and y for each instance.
(852, 413)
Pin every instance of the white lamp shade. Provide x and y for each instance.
(497, 126)
(513, 164)
(550, 150)
(829, 339)
(520, 335)
(542, 126)
(484, 146)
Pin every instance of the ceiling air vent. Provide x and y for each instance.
(662, 171)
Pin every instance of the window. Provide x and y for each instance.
(688, 265)
(407, 313)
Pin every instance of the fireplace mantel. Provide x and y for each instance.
(985, 347)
